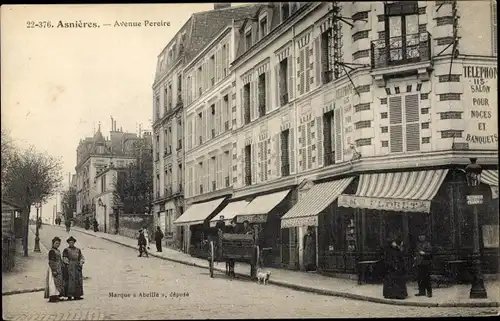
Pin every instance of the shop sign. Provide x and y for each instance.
(480, 101)
(474, 199)
(384, 204)
(257, 218)
(490, 236)
(299, 221)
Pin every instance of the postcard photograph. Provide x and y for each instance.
(256, 160)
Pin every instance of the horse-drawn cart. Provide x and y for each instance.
(231, 248)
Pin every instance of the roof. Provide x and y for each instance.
(10, 203)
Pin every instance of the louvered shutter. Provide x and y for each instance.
(218, 114)
(256, 98)
(338, 134)
(309, 145)
(205, 126)
(207, 186)
(254, 161)
(307, 68)
(291, 143)
(195, 84)
(252, 100)
(241, 164)
(291, 88)
(259, 157)
(206, 79)
(277, 93)
(268, 158)
(303, 148)
(220, 180)
(275, 157)
(268, 91)
(317, 65)
(242, 108)
(319, 141)
(395, 121)
(300, 72)
(218, 65)
(412, 123)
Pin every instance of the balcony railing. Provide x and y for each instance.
(405, 49)
(247, 117)
(226, 180)
(262, 109)
(329, 158)
(226, 125)
(214, 186)
(248, 179)
(285, 170)
(201, 188)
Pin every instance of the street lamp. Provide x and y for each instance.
(101, 204)
(38, 205)
(473, 176)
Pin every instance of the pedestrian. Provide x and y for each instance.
(87, 223)
(73, 263)
(68, 225)
(158, 237)
(395, 272)
(146, 235)
(247, 229)
(141, 241)
(220, 226)
(233, 228)
(96, 225)
(54, 283)
(423, 261)
(310, 250)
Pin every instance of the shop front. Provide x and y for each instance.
(194, 224)
(229, 212)
(300, 250)
(264, 213)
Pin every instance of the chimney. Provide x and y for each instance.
(218, 6)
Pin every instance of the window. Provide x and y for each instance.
(200, 128)
(179, 133)
(157, 107)
(404, 129)
(402, 37)
(225, 60)
(179, 85)
(283, 82)
(169, 97)
(328, 138)
(227, 168)
(285, 153)
(200, 77)
(227, 112)
(263, 27)
(248, 40)
(285, 11)
(212, 70)
(248, 165)
(262, 95)
(180, 175)
(165, 99)
(246, 103)
(103, 183)
(326, 54)
(201, 175)
(213, 173)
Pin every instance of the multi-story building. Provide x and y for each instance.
(94, 154)
(358, 119)
(171, 90)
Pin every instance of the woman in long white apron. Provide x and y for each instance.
(54, 282)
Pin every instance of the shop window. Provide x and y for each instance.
(372, 231)
(350, 233)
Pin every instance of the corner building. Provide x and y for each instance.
(358, 119)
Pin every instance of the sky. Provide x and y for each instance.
(58, 84)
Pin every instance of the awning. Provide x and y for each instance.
(229, 212)
(305, 212)
(400, 192)
(490, 177)
(198, 213)
(256, 211)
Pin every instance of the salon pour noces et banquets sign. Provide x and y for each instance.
(481, 106)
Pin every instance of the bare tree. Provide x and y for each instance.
(8, 150)
(31, 177)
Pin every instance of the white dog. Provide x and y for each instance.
(263, 276)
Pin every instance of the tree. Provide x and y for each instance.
(68, 202)
(31, 177)
(8, 150)
(133, 188)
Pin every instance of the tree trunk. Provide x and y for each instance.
(26, 218)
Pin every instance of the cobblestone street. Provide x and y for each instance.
(154, 288)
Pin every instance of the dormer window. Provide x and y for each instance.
(263, 27)
(285, 11)
(248, 40)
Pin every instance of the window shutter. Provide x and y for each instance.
(254, 161)
(319, 140)
(412, 123)
(395, 121)
(276, 157)
(300, 72)
(317, 65)
(217, 65)
(218, 115)
(291, 143)
(241, 164)
(303, 148)
(219, 172)
(204, 127)
(241, 109)
(291, 88)
(195, 84)
(307, 67)
(253, 100)
(309, 145)
(259, 161)
(277, 81)
(338, 134)
(268, 148)
(207, 185)
(268, 91)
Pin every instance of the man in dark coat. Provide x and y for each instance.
(423, 262)
(96, 225)
(158, 237)
(141, 241)
(221, 228)
(310, 250)
(87, 223)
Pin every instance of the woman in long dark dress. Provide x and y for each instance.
(310, 250)
(73, 264)
(54, 283)
(395, 272)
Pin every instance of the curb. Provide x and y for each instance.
(23, 291)
(347, 295)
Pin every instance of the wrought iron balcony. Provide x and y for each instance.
(329, 158)
(226, 180)
(405, 49)
(168, 191)
(327, 76)
(262, 109)
(247, 117)
(285, 170)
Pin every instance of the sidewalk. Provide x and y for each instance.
(28, 274)
(455, 296)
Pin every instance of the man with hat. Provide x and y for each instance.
(72, 273)
(221, 227)
(141, 241)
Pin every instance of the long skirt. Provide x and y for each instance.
(395, 286)
(50, 285)
(74, 280)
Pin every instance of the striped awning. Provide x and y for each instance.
(198, 213)
(400, 192)
(256, 211)
(229, 212)
(490, 177)
(305, 212)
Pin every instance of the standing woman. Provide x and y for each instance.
(54, 284)
(310, 250)
(73, 261)
(395, 272)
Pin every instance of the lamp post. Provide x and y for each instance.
(37, 233)
(101, 204)
(473, 176)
